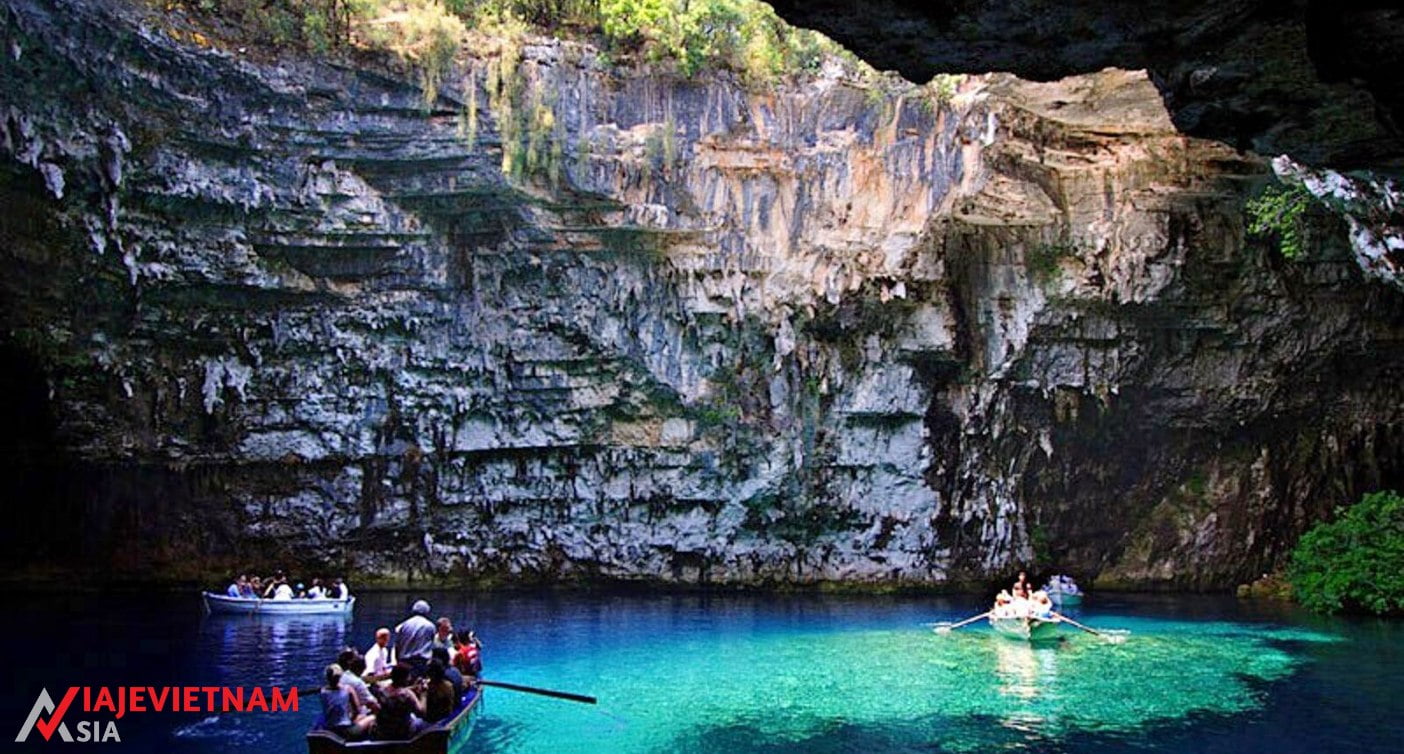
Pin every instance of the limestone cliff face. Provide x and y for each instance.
(583, 322)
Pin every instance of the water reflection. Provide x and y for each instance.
(275, 648)
(1024, 669)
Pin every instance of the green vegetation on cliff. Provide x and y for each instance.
(745, 36)
(1280, 213)
(1356, 562)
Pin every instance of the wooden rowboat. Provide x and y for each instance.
(1062, 590)
(1065, 598)
(1026, 628)
(224, 604)
(447, 736)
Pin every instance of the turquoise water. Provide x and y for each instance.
(783, 674)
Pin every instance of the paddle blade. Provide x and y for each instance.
(1116, 635)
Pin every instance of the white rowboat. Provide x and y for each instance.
(1062, 590)
(1026, 628)
(226, 605)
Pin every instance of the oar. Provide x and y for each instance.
(945, 628)
(1092, 631)
(543, 692)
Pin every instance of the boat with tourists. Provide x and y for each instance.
(226, 605)
(1063, 591)
(449, 735)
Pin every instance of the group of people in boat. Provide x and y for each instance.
(409, 678)
(1022, 601)
(277, 587)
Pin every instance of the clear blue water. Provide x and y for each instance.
(765, 673)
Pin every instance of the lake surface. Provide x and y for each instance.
(765, 673)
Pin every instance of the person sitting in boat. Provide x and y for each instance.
(1042, 607)
(272, 584)
(236, 589)
(353, 666)
(469, 658)
(443, 635)
(401, 710)
(380, 657)
(340, 709)
(439, 694)
(278, 589)
(451, 674)
(316, 592)
(247, 590)
(1002, 604)
(338, 590)
(414, 637)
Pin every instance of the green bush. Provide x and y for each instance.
(1280, 211)
(745, 36)
(1356, 562)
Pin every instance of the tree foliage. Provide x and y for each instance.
(745, 36)
(1356, 562)
(741, 35)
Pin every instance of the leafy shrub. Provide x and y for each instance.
(1280, 212)
(1356, 562)
(423, 32)
(745, 36)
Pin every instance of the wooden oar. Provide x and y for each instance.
(945, 628)
(543, 692)
(1092, 631)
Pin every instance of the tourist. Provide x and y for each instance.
(247, 590)
(469, 659)
(451, 674)
(1042, 606)
(281, 591)
(380, 657)
(443, 635)
(236, 588)
(316, 592)
(439, 695)
(414, 637)
(401, 710)
(338, 590)
(1003, 604)
(339, 706)
(353, 665)
(1021, 587)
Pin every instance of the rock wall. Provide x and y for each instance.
(582, 322)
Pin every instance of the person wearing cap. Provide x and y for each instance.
(414, 637)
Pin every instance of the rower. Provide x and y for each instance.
(1021, 586)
